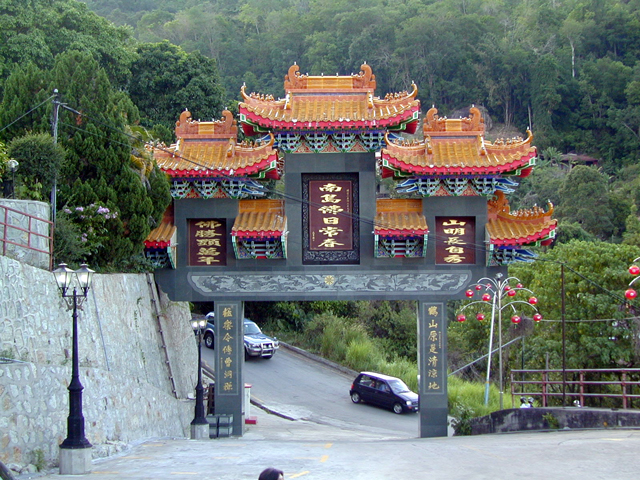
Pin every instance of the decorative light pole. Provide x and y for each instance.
(634, 270)
(75, 456)
(13, 166)
(199, 424)
(499, 293)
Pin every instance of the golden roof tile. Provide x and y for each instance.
(208, 148)
(521, 227)
(457, 146)
(164, 234)
(260, 218)
(400, 217)
(326, 100)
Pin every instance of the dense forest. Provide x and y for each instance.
(125, 69)
(566, 68)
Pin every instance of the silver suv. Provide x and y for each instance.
(256, 343)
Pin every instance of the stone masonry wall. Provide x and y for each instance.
(16, 221)
(128, 395)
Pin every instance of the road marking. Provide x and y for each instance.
(328, 445)
(483, 452)
(296, 475)
(321, 459)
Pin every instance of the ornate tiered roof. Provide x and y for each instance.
(457, 147)
(164, 234)
(321, 103)
(400, 218)
(522, 227)
(260, 219)
(210, 150)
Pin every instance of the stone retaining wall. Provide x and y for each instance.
(551, 418)
(16, 221)
(128, 395)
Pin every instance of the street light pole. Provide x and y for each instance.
(499, 288)
(75, 453)
(75, 422)
(199, 424)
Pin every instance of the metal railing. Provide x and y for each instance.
(8, 235)
(614, 387)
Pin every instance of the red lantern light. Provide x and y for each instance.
(461, 318)
(480, 317)
(507, 287)
(630, 294)
(486, 297)
(634, 269)
(537, 317)
(519, 285)
(515, 319)
(511, 293)
(478, 287)
(469, 293)
(533, 300)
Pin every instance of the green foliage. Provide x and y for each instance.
(601, 329)
(40, 161)
(39, 30)
(466, 401)
(38, 459)
(166, 80)
(68, 242)
(585, 201)
(551, 420)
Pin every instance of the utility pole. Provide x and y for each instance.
(54, 127)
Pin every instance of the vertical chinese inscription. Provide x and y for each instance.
(330, 219)
(433, 354)
(455, 240)
(228, 332)
(207, 242)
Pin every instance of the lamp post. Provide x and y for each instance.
(13, 166)
(199, 424)
(75, 453)
(499, 293)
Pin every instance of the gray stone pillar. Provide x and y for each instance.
(229, 358)
(432, 363)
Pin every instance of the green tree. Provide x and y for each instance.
(601, 331)
(166, 80)
(40, 161)
(584, 199)
(38, 30)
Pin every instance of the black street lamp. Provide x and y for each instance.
(199, 420)
(80, 281)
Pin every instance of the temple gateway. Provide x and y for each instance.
(337, 196)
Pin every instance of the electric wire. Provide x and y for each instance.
(478, 248)
(24, 115)
(481, 249)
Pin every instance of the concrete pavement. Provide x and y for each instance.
(310, 451)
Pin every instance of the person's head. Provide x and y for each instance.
(523, 400)
(271, 474)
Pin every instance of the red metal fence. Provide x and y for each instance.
(611, 388)
(10, 219)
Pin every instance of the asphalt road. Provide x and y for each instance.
(301, 389)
